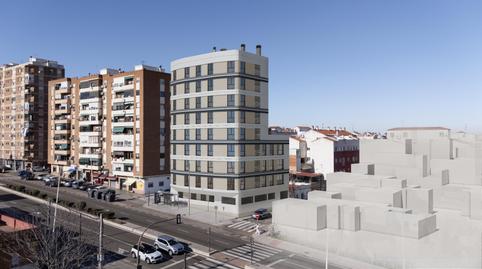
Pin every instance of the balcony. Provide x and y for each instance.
(62, 90)
(120, 87)
(61, 111)
(89, 167)
(61, 141)
(63, 101)
(62, 152)
(89, 89)
(90, 122)
(91, 155)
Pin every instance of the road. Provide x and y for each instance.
(233, 250)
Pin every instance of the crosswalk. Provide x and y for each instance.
(244, 225)
(260, 252)
(209, 263)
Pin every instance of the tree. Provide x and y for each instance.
(59, 247)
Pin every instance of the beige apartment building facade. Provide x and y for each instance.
(112, 126)
(23, 111)
(222, 154)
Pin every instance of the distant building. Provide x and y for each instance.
(331, 151)
(112, 126)
(23, 111)
(300, 130)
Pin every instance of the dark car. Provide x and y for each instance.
(27, 176)
(38, 169)
(21, 173)
(261, 213)
(52, 183)
(77, 184)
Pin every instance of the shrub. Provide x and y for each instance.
(70, 204)
(20, 188)
(89, 210)
(81, 205)
(44, 196)
(36, 193)
(109, 215)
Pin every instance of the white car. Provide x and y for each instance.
(146, 253)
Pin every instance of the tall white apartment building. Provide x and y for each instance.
(222, 153)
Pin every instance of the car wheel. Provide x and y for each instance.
(148, 261)
(170, 252)
(133, 254)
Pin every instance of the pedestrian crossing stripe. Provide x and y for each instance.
(209, 263)
(244, 226)
(260, 252)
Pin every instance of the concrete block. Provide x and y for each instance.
(350, 218)
(299, 213)
(323, 194)
(347, 190)
(420, 200)
(393, 183)
(392, 197)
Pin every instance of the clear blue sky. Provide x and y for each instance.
(360, 64)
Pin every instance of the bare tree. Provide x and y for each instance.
(64, 246)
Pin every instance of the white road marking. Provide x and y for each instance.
(178, 262)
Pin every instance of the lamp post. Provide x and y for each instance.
(138, 265)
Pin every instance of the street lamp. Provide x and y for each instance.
(139, 266)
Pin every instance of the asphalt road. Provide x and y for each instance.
(118, 242)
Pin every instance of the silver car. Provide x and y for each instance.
(169, 244)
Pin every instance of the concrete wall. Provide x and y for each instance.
(299, 214)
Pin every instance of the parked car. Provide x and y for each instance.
(38, 169)
(169, 244)
(4, 168)
(146, 253)
(66, 182)
(46, 179)
(27, 175)
(85, 186)
(21, 173)
(261, 213)
(52, 183)
(77, 184)
(41, 176)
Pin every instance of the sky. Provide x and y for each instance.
(362, 65)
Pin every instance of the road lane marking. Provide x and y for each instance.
(178, 262)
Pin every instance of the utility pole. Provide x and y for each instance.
(209, 239)
(100, 258)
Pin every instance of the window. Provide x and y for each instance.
(257, 149)
(210, 84)
(257, 86)
(257, 70)
(280, 149)
(174, 75)
(210, 69)
(257, 102)
(210, 185)
(283, 194)
(210, 101)
(242, 167)
(198, 117)
(247, 200)
(198, 86)
(270, 180)
(186, 149)
(186, 118)
(174, 105)
(210, 166)
(242, 83)
(186, 87)
(174, 150)
(210, 150)
(210, 117)
(198, 149)
(174, 120)
(180, 194)
(242, 133)
(230, 184)
(210, 134)
(193, 196)
(230, 167)
(242, 117)
(230, 85)
(186, 180)
(263, 149)
(174, 178)
(260, 198)
(186, 103)
(186, 165)
(230, 150)
(279, 180)
(257, 118)
(198, 70)
(198, 166)
(242, 101)
(228, 200)
(150, 184)
(257, 134)
(186, 134)
(242, 183)
(230, 135)
(198, 134)
(198, 102)
(230, 66)
(211, 198)
(271, 196)
(231, 100)
(242, 150)
(198, 182)
(203, 197)
(242, 67)
(230, 116)
(186, 72)
(263, 181)
(257, 182)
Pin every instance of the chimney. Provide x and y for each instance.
(258, 50)
(243, 47)
(214, 49)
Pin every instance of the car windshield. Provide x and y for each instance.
(259, 211)
(172, 242)
(149, 249)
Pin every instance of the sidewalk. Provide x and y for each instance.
(314, 254)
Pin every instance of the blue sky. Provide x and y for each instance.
(368, 65)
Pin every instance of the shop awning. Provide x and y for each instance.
(129, 181)
(118, 129)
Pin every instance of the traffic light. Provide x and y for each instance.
(178, 219)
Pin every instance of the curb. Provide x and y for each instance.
(125, 227)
